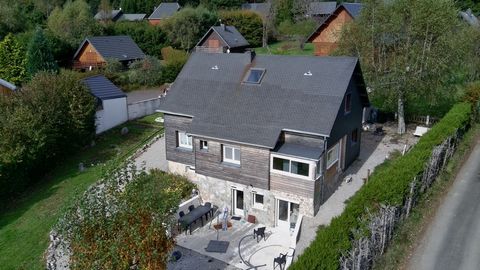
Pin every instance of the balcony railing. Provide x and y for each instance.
(88, 65)
(210, 49)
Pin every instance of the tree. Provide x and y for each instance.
(284, 10)
(248, 23)
(12, 60)
(39, 54)
(408, 50)
(151, 39)
(73, 23)
(173, 61)
(187, 26)
(221, 4)
(105, 9)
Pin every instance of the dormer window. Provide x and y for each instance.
(254, 76)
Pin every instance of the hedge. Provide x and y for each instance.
(388, 185)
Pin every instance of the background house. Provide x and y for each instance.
(319, 11)
(265, 135)
(111, 103)
(6, 87)
(162, 12)
(118, 15)
(325, 38)
(94, 51)
(222, 39)
(264, 9)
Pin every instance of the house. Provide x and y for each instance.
(222, 39)
(325, 38)
(93, 52)
(6, 87)
(265, 135)
(162, 12)
(319, 11)
(111, 103)
(118, 15)
(264, 9)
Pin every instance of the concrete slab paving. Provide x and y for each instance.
(154, 157)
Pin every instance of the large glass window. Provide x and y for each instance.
(184, 140)
(332, 155)
(231, 154)
(290, 166)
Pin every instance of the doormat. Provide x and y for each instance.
(236, 218)
(217, 246)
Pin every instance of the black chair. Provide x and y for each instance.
(209, 205)
(260, 232)
(181, 214)
(280, 260)
(191, 207)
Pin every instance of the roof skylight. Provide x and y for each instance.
(254, 76)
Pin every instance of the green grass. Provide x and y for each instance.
(410, 231)
(25, 226)
(286, 48)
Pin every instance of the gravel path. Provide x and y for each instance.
(452, 241)
(154, 157)
(196, 261)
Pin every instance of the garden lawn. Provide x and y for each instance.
(286, 48)
(25, 226)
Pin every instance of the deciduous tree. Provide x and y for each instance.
(248, 23)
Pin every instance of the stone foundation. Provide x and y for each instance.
(219, 192)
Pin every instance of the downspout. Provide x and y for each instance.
(324, 169)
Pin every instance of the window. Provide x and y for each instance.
(354, 136)
(332, 156)
(290, 166)
(203, 145)
(348, 103)
(231, 154)
(184, 140)
(257, 200)
(254, 76)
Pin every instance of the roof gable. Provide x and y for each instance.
(353, 9)
(122, 48)
(8, 85)
(229, 34)
(102, 88)
(164, 10)
(287, 98)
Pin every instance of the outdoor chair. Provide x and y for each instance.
(181, 214)
(280, 260)
(260, 232)
(209, 205)
(191, 207)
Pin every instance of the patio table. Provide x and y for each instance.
(194, 215)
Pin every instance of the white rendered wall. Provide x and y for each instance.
(113, 114)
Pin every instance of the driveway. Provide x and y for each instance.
(453, 239)
(154, 156)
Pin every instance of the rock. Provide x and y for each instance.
(124, 131)
(81, 167)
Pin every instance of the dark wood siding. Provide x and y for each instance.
(292, 185)
(172, 125)
(253, 169)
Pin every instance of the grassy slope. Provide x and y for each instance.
(286, 48)
(24, 228)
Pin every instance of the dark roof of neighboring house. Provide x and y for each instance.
(114, 15)
(229, 34)
(322, 8)
(262, 8)
(164, 10)
(210, 89)
(132, 17)
(468, 17)
(122, 48)
(102, 88)
(353, 9)
(8, 85)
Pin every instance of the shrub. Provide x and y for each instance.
(387, 185)
(173, 61)
(146, 72)
(134, 236)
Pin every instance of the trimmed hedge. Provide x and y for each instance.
(387, 185)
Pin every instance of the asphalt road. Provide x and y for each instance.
(453, 239)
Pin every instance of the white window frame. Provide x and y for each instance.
(254, 202)
(231, 160)
(311, 167)
(203, 146)
(189, 144)
(335, 148)
(319, 169)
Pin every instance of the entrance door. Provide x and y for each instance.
(287, 214)
(238, 202)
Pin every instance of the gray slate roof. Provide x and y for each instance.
(132, 17)
(122, 48)
(262, 8)
(102, 88)
(229, 34)
(164, 10)
(114, 15)
(224, 107)
(298, 150)
(322, 8)
(353, 8)
(8, 85)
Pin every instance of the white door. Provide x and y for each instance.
(287, 214)
(238, 202)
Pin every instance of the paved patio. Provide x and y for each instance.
(259, 254)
